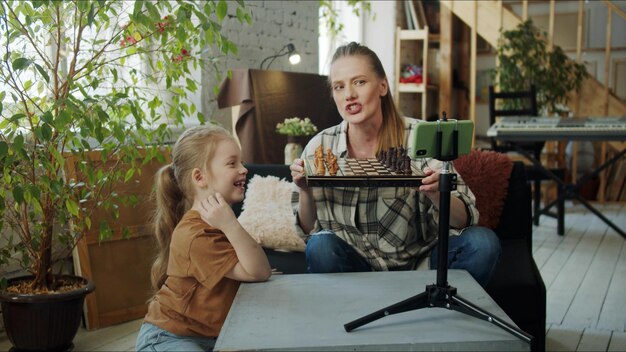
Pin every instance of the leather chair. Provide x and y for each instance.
(525, 104)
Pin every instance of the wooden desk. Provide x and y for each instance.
(308, 311)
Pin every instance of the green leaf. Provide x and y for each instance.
(18, 194)
(82, 6)
(18, 143)
(129, 174)
(222, 9)
(4, 149)
(138, 8)
(43, 72)
(47, 117)
(56, 187)
(20, 63)
(46, 132)
(91, 15)
(104, 231)
(152, 10)
(72, 207)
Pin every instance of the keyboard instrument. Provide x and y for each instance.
(552, 128)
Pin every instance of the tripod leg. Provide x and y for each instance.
(461, 305)
(411, 303)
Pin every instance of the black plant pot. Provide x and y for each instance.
(44, 322)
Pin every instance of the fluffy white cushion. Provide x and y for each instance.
(267, 214)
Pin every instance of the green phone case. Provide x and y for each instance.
(425, 142)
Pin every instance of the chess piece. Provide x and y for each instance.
(320, 169)
(381, 157)
(333, 167)
(388, 157)
(394, 160)
(407, 164)
(319, 156)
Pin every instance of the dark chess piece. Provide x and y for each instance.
(381, 157)
(394, 162)
(407, 164)
(388, 157)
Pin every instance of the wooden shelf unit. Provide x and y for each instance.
(423, 36)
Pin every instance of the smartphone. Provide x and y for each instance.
(425, 142)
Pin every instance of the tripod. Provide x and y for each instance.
(441, 294)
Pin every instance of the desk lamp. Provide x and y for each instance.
(294, 57)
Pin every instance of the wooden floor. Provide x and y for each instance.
(584, 272)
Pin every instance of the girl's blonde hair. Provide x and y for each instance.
(174, 192)
(392, 132)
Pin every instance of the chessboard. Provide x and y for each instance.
(362, 173)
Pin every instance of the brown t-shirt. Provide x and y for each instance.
(196, 297)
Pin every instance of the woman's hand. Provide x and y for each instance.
(297, 174)
(217, 212)
(430, 185)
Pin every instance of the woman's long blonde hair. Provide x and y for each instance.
(392, 132)
(174, 192)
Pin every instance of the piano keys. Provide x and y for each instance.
(525, 128)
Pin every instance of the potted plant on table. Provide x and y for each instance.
(295, 128)
(78, 79)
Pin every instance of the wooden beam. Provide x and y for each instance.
(579, 44)
(524, 10)
(551, 26)
(592, 100)
(445, 61)
(607, 63)
(607, 60)
(579, 30)
(473, 40)
(615, 9)
(488, 10)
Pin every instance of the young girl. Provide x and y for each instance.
(203, 251)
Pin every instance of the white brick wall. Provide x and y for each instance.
(274, 24)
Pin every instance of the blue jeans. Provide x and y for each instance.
(476, 250)
(153, 338)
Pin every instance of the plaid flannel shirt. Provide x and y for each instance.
(391, 227)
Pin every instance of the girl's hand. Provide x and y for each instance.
(217, 212)
(430, 185)
(297, 174)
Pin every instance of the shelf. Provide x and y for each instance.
(418, 34)
(413, 34)
(415, 87)
(421, 89)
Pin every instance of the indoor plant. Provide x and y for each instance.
(78, 77)
(524, 60)
(294, 128)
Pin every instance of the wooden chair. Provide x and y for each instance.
(527, 106)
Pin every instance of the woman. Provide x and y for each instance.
(390, 228)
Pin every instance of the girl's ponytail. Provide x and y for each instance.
(170, 207)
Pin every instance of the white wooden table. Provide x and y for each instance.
(308, 311)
